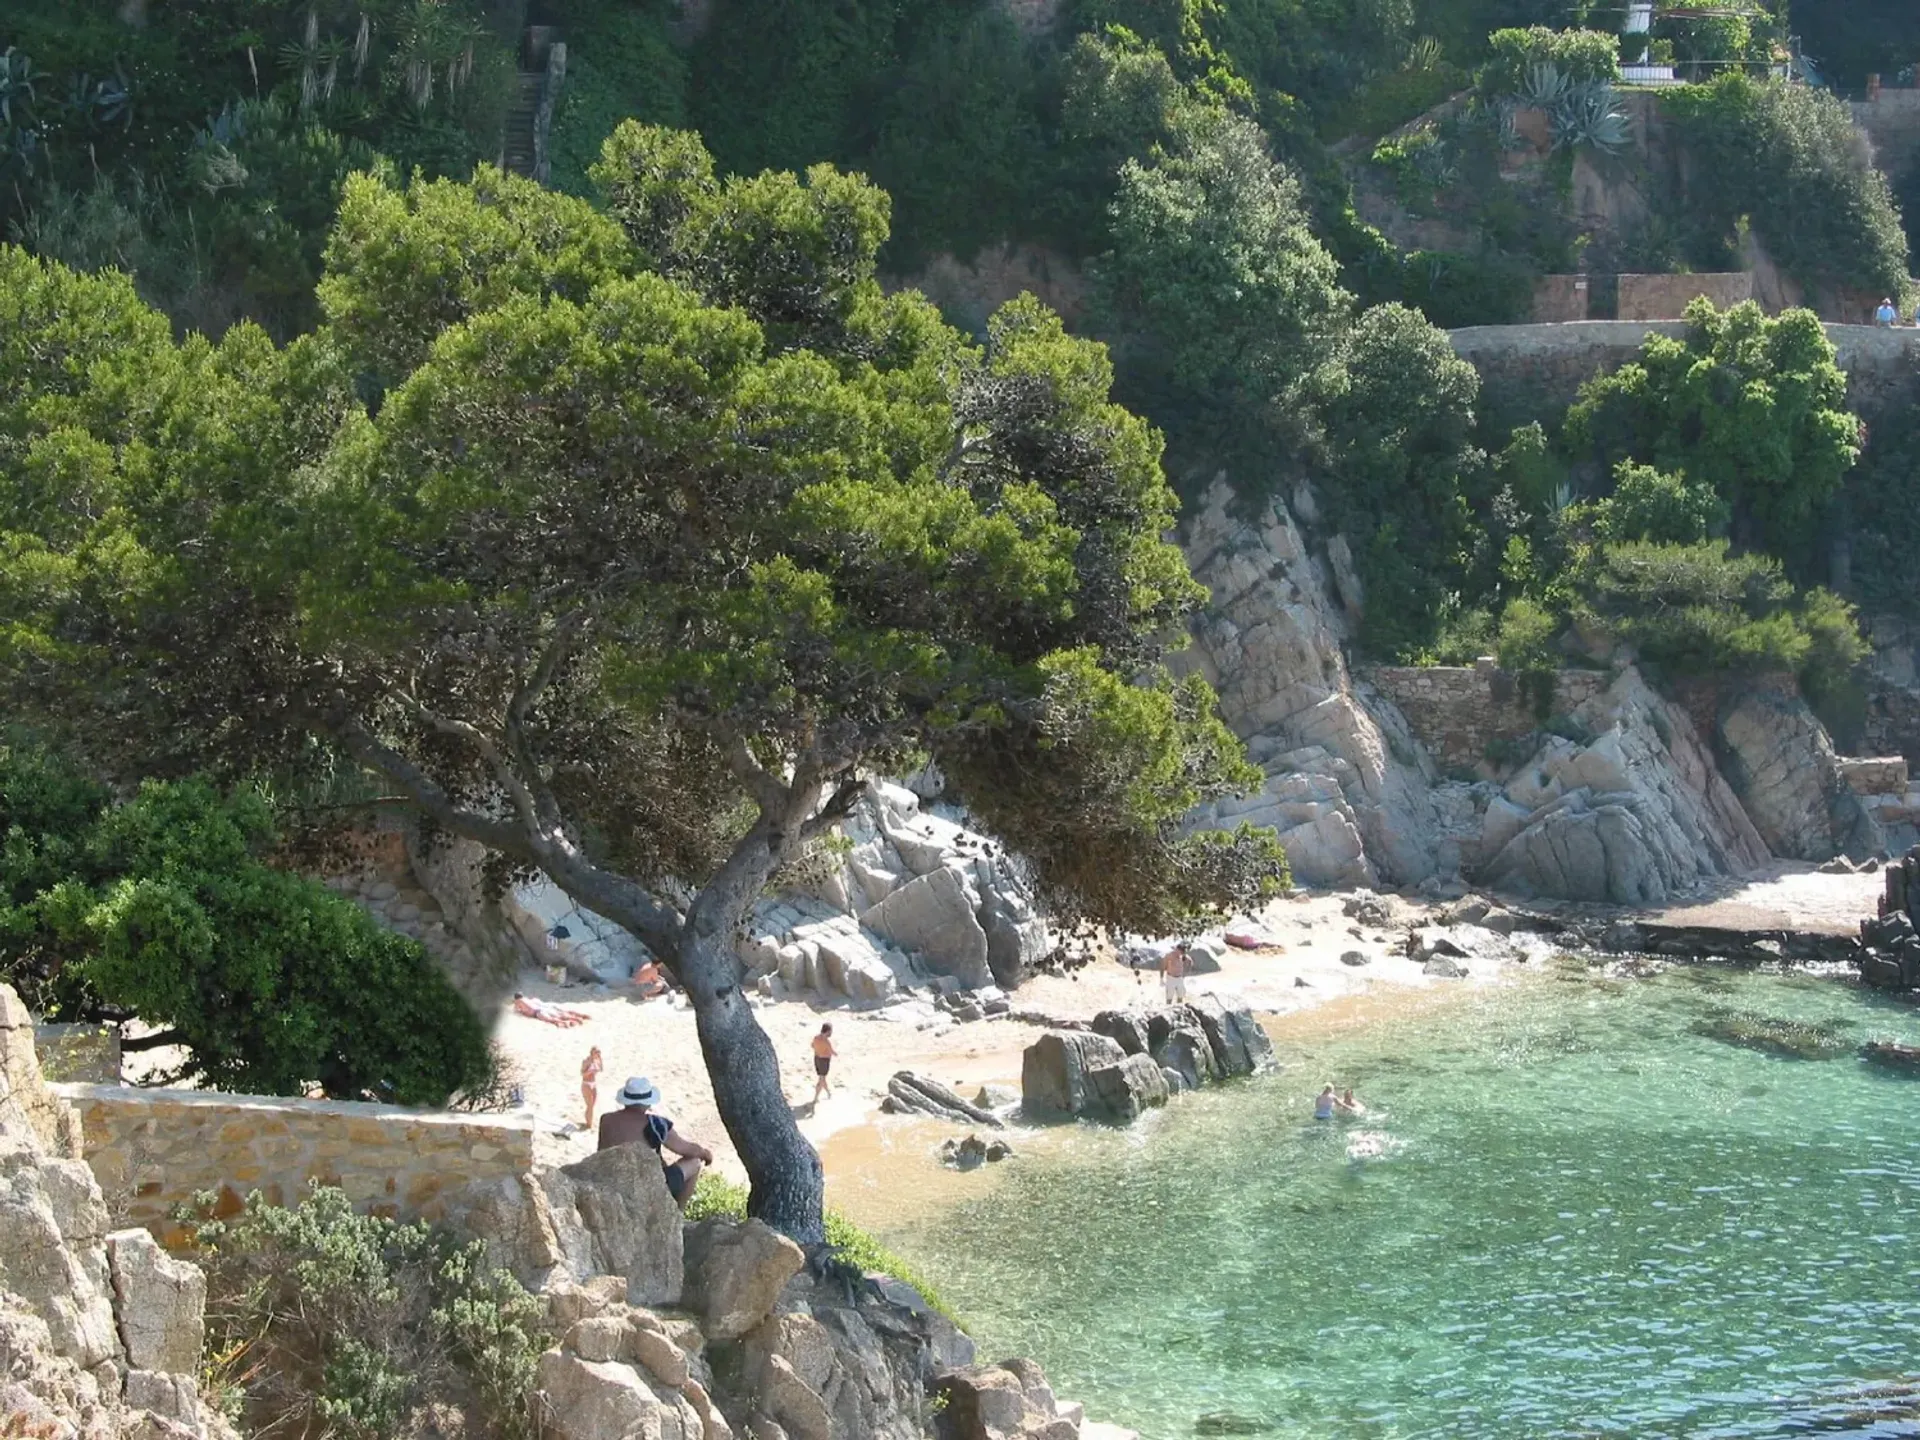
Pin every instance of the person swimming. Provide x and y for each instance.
(1324, 1103)
(1350, 1106)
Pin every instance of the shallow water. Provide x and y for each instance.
(1590, 1221)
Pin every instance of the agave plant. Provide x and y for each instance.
(1545, 87)
(97, 103)
(1590, 114)
(18, 80)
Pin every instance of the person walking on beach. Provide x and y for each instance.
(635, 1123)
(823, 1053)
(590, 1069)
(1173, 972)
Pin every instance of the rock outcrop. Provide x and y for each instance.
(1635, 816)
(1132, 1061)
(100, 1333)
(607, 1215)
(1347, 787)
(1782, 765)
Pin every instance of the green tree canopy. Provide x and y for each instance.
(1753, 408)
(627, 545)
(165, 908)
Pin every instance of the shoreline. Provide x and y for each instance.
(1300, 981)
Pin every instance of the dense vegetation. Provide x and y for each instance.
(641, 503)
(163, 906)
(327, 1322)
(625, 543)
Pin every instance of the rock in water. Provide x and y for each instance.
(1122, 1092)
(1053, 1071)
(918, 1095)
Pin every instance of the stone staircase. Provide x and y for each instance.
(516, 140)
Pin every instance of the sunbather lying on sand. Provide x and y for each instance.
(546, 1010)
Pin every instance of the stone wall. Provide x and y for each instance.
(1892, 125)
(1461, 713)
(1559, 298)
(154, 1149)
(1533, 372)
(1666, 297)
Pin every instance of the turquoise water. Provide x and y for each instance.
(1591, 1221)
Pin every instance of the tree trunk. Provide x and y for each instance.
(788, 1184)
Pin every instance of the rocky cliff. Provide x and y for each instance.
(100, 1329)
(1624, 799)
(1347, 787)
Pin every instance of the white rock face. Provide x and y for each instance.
(1782, 765)
(1347, 786)
(88, 1348)
(1638, 815)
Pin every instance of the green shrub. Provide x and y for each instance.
(163, 907)
(322, 1319)
(1650, 504)
(1752, 407)
(1454, 290)
(1577, 55)
(1788, 159)
(715, 1196)
(1700, 609)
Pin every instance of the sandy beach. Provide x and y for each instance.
(1301, 975)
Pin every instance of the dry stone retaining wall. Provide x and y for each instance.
(154, 1149)
(1460, 712)
(1666, 297)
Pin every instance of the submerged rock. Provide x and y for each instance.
(1794, 1039)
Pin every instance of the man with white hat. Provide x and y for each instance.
(635, 1123)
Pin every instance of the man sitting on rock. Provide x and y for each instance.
(634, 1123)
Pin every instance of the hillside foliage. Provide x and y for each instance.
(163, 906)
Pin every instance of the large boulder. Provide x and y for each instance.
(612, 1400)
(1054, 1069)
(1635, 816)
(32, 1117)
(935, 916)
(161, 1303)
(1008, 1401)
(609, 1214)
(64, 1308)
(1186, 1051)
(1122, 1092)
(735, 1272)
(1782, 765)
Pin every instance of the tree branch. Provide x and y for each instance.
(546, 807)
(512, 783)
(838, 807)
(768, 793)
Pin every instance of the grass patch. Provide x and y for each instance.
(1794, 1039)
(714, 1196)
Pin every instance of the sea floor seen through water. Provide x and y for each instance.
(1570, 1212)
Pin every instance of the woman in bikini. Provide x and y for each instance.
(590, 1082)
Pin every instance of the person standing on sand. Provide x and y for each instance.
(823, 1053)
(634, 1123)
(590, 1069)
(1174, 966)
